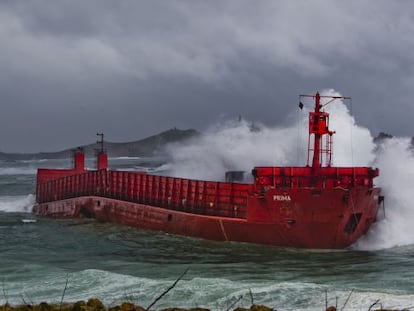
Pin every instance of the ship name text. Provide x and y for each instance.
(282, 197)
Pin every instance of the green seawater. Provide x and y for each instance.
(116, 263)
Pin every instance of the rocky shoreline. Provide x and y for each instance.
(95, 304)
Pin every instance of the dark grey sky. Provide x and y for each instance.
(134, 68)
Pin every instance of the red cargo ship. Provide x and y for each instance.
(314, 206)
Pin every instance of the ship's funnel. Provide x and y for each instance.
(102, 159)
(79, 159)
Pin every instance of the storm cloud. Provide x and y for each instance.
(134, 68)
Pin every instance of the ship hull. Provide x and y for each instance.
(312, 206)
(303, 218)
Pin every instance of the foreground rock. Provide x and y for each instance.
(95, 304)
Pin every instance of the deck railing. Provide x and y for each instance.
(195, 196)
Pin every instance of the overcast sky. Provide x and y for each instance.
(135, 68)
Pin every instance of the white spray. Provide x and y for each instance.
(21, 204)
(233, 145)
(396, 162)
(238, 145)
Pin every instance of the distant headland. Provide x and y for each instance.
(150, 146)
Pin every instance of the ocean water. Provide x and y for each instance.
(114, 263)
(38, 256)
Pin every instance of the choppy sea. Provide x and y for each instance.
(39, 256)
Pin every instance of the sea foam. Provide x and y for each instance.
(396, 162)
(214, 293)
(21, 203)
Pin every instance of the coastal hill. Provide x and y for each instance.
(150, 146)
(146, 147)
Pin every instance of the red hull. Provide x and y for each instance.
(309, 221)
